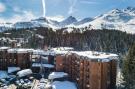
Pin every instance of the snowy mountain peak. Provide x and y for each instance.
(68, 21)
(130, 8)
(116, 16)
(123, 20)
(115, 11)
(41, 19)
(71, 18)
(83, 21)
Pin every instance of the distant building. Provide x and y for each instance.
(14, 58)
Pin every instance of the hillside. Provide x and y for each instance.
(101, 40)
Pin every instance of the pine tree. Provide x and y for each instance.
(129, 69)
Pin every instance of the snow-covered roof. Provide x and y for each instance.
(12, 51)
(55, 75)
(35, 52)
(38, 52)
(13, 69)
(101, 56)
(3, 74)
(44, 65)
(43, 52)
(45, 58)
(22, 51)
(63, 85)
(62, 50)
(24, 72)
(19, 50)
(4, 48)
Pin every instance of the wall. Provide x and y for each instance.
(88, 73)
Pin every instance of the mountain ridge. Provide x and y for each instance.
(123, 20)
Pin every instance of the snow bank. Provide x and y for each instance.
(25, 72)
(55, 75)
(44, 65)
(13, 69)
(3, 74)
(63, 85)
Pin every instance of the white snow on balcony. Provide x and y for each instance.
(13, 69)
(3, 74)
(24, 72)
(42, 65)
(55, 75)
(63, 85)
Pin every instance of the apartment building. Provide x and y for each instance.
(90, 70)
(14, 57)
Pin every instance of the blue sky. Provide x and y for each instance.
(13, 10)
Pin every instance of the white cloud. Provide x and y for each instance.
(19, 15)
(2, 7)
(57, 17)
(88, 2)
(25, 16)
